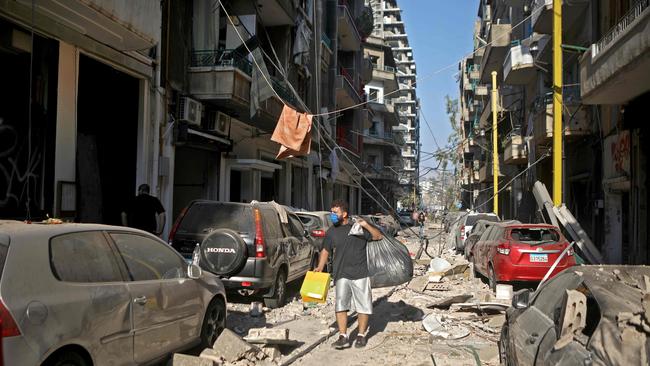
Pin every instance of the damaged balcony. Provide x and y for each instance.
(519, 66)
(387, 75)
(276, 12)
(616, 68)
(346, 95)
(223, 78)
(542, 15)
(495, 53)
(515, 150)
(349, 38)
(576, 123)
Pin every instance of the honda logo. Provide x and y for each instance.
(220, 250)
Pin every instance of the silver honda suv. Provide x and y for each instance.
(81, 294)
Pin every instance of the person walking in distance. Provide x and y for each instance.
(350, 272)
(145, 212)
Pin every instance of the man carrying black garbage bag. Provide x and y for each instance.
(350, 271)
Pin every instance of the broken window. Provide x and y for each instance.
(535, 236)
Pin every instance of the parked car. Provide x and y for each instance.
(508, 252)
(386, 223)
(586, 315)
(247, 245)
(477, 230)
(465, 226)
(317, 223)
(85, 294)
(451, 218)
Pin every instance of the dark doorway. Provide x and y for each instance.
(267, 189)
(107, 135)
(235, 186)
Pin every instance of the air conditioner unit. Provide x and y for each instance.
(189, 110)
(218, 122)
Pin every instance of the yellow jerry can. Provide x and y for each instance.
(315, 287)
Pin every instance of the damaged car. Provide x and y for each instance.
(586, 315)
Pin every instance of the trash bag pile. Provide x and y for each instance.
(389, 263)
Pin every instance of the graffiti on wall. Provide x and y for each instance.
(617, 159)
(19, 170)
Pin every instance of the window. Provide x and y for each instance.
(83, 257)
(535, 235)
(373, 95)
(147, 259)
(295, 227)
(270, 221)
(374, 129)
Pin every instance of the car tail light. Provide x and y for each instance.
(503, 249)
(246, 284)
(462, 232)
(7, 323)
(260, 245)
(318, 233)
(569, 252)
(177, 223)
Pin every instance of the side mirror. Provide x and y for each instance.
(194, 271)
(521, 299)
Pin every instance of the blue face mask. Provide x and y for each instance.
(334, 217)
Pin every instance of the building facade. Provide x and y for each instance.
(604, 158)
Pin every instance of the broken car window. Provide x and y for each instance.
(535, 235)
(202, 218)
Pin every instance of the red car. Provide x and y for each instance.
(508, 252)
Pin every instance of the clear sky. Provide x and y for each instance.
(440, 33)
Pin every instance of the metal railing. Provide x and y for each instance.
(232, 58)
(283, 91)
(384, 68)
(626, 21)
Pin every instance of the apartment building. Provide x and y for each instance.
(389, 25)
(605, 48)
(156, 92)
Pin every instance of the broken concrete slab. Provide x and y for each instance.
(231, 347)
(187, 360)
(269, 333)
(210, 354)
(447, 302)
(272, 352)
(481, 306)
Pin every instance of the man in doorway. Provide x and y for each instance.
(145, 212)
(350, 272)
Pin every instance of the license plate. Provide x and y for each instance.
(538, 257)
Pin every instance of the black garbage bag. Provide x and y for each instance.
(389, 263)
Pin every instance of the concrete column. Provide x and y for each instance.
(66, 118)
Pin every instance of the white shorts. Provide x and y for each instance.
(354, 295)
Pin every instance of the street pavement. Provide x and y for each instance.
(396, 335)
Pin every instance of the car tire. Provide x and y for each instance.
(214, 322)
(492, 278)
(504, 349)
(279, 292)
(67, 358)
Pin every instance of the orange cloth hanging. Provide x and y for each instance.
(293, 132)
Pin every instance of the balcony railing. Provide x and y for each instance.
(639, 8)
(384, 68)
(211, 58)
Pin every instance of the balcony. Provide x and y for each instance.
(576, 124)
(389, 8)
(276, 12)
(615, 69)
(384, 138)
(515, 150)
(367, 71)
(325, 52)
(495, 53)
(481, 90)
(485, 173)
(519, 67)
(474, 72)
(387, 75)
(224, 78)
(346, 95)
(572, 12)
(349, 38)
(485, 121)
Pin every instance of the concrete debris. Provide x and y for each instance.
(438, 328)
(437, 287)
(447, 302)
(504, 292)
(211, 355)
(439, 265)
(256, 309)
(231, 347)
(272, 352)
(266, 333)
(186, 360)
(480, 306)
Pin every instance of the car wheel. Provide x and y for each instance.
(492, 278)
(279, 293)
(214, 323)
(504, 349)
(67, 358)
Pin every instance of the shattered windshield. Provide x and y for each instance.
(206, 217)
(535, 236)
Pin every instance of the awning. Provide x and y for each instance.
(190, 136)
(253, 164)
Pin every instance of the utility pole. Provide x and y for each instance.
(495, 146)
(557, 103)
